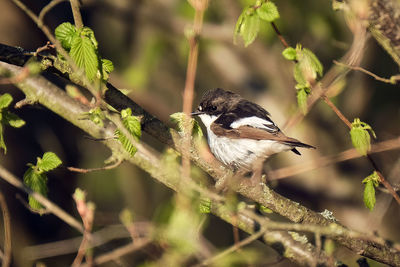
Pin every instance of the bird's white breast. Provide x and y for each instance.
(240, 153)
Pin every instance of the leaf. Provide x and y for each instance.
(5, 100)
(87, 32)
(13, 120)
(65, 33)
(178, 119)
(360, 137)
(127, 217)
(2, 144)
(268, 11)
(308, 67)
(302, 99)
(247, 26)
(249, 29)
(127, 145)
(49, 162)
(131, 123)
(38, 183)
(314, 61)
(369, 195)
(289, 53)
(205, 205)
(84, 53)
(107, 65)
(299, 76)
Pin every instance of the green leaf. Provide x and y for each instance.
(132, 124)
(126, 217)
(2, 144)
(299, 77)
(5, 100)
(205, 205)
(247, 26)
(314, 61)
(13, 120)
(107, 65)
(308, 66)
(360, 136)
(65, 33)
(268, 11)
(178, 119)
(96, 115)
(302, 99)
(289, 53)
(49, 162)
(369, 195)
(374, 177)
(38, 183)
(87, 32)
(84, 53)
(249, 29)
(266, 209)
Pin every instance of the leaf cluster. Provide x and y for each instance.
(7, 118)
(83, 49)
(132, 124)
(36, 179)
(248, 23)
(307, 69)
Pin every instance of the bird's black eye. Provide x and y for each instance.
(213, 108)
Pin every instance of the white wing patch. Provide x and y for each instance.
(255, 122)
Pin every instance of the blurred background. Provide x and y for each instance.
(145, 41)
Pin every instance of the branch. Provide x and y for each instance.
(6, 261)
(384, 21)
(348, 154)
(50, 206)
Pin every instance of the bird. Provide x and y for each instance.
(241, 133)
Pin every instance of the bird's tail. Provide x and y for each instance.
(299, 144)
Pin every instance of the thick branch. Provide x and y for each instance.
(384, 26)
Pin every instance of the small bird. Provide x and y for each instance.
(240, 133)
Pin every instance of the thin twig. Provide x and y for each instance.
(383, 180)
(50, 206)
(188, 93)
(86, 211)
(7, 232)
(392, 80)
(47, 8)
(107, 167)
(231, 249)
(336, 110)
(280, 36)
(76, 13)
(41, 211)
(374, 165)
(98, 238)
(348, 154)
(119, 252)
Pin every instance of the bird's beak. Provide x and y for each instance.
(196, 112)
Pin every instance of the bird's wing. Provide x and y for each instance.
(252, 128)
